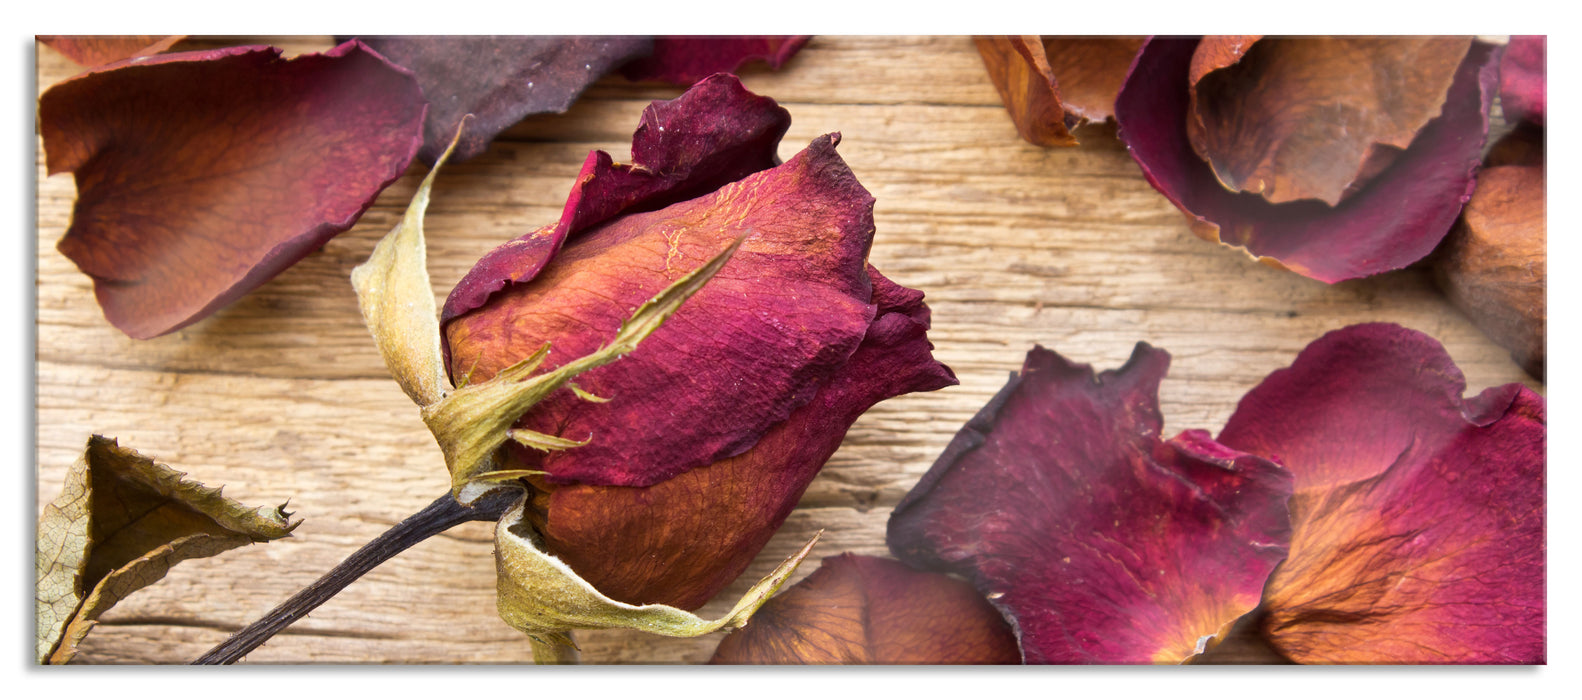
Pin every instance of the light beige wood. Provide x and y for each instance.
(283, 396)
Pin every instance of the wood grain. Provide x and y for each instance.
(283, 396)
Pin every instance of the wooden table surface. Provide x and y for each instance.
(283, 396)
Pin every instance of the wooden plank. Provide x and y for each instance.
(282, 395)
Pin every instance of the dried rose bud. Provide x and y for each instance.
(868, 610)
(662, 475)
(1054, 84)
(1336, 158)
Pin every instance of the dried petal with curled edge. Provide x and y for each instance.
(1051, 85)
(1524, 71)
(500, 79)
(685, 60)
(118, 526)
(1099, 542)
(538, 594)
(1316, 117)
(1418, 515)
(181, 211)
(1396, 219)
(868, 610)
(719, 421)
(93, 51)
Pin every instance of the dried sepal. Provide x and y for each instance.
(121, 522)
(472, 422)
(397, 300)
(541, 596)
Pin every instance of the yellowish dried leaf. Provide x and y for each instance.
(121, 522)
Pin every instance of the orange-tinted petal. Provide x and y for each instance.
(1396, 220)
(1493, 266)
(1418, 515)
(1317, 117)
(1090, 71)
(868, 610)
(1051, 85)
(1020, 71)
(93, 51)
(1097, 540)
(202, 175)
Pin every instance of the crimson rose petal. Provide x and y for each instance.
(1098, 541)
(685, 60)
(867, 610)
(1418, 515)
(1397, 219)
(180, 211)
(499, 79)
(1524, 91)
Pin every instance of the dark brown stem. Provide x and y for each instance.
(439, 516)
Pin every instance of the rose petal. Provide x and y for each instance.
(1090, 71)
(1390, 224)
(868, 610)
(1020, 71)
(1053, 84)
(1493, 264)
(499, 79)
(1099, 542)
(685, 60)
(1524, 92)
(93, 51)
(715, 133)
(181, 211)
(1418, 515)
(680, 541)
(1315, 117)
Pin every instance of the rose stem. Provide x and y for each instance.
(439, 516)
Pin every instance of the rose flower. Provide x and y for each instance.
(660, 477)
